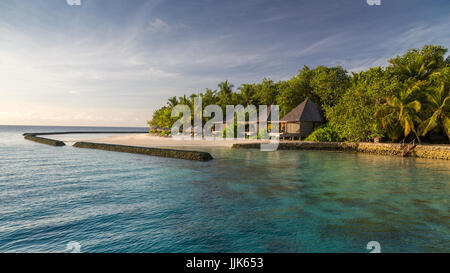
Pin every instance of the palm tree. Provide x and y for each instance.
(210, 97)
(439, 99)
(416, 67)
(403, 107)
(184, 100)
(172, 101)
(388, 121)
(225, 93)
(192, 99)
(247, 93)
(356, 78)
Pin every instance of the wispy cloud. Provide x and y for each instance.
(158, 25)
(116, 63)
(414, 35)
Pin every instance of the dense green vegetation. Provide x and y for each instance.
(324, 133)
(409, 99)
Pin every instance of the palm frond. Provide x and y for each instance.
(416, 105)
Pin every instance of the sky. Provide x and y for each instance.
(113, 62)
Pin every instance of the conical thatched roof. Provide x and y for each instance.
(305, 111)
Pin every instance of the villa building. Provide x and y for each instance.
(301, 121)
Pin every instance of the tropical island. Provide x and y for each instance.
(391, 110)
(406, 101)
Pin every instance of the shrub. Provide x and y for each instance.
(228, 129)
(263, 134)
(165, 133)
(324, 133)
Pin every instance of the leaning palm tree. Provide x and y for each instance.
(388, 121)
(438, 98)
(403, 107)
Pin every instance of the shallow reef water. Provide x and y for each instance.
(242, 201)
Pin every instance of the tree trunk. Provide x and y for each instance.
(447, 132)
(418, 138)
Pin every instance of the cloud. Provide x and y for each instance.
(415, 35)
(158, 25)
(73, 2)
(319, 46)
(92, 60)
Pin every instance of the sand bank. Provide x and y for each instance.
(146, 140)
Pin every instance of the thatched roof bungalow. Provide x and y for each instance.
(301, 121)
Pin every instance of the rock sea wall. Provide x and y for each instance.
(44, 140)
(180, 154)
(394, 149)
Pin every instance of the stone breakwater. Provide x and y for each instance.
(180, 154)
(43, 140)
(420, 151)
(83, 132)
(52, 142)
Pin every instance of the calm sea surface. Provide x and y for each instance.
(242, 201)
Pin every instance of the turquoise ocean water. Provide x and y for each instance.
(242, 201)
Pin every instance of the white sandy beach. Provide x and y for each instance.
(147, 140)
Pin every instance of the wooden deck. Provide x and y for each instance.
(286, 136)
